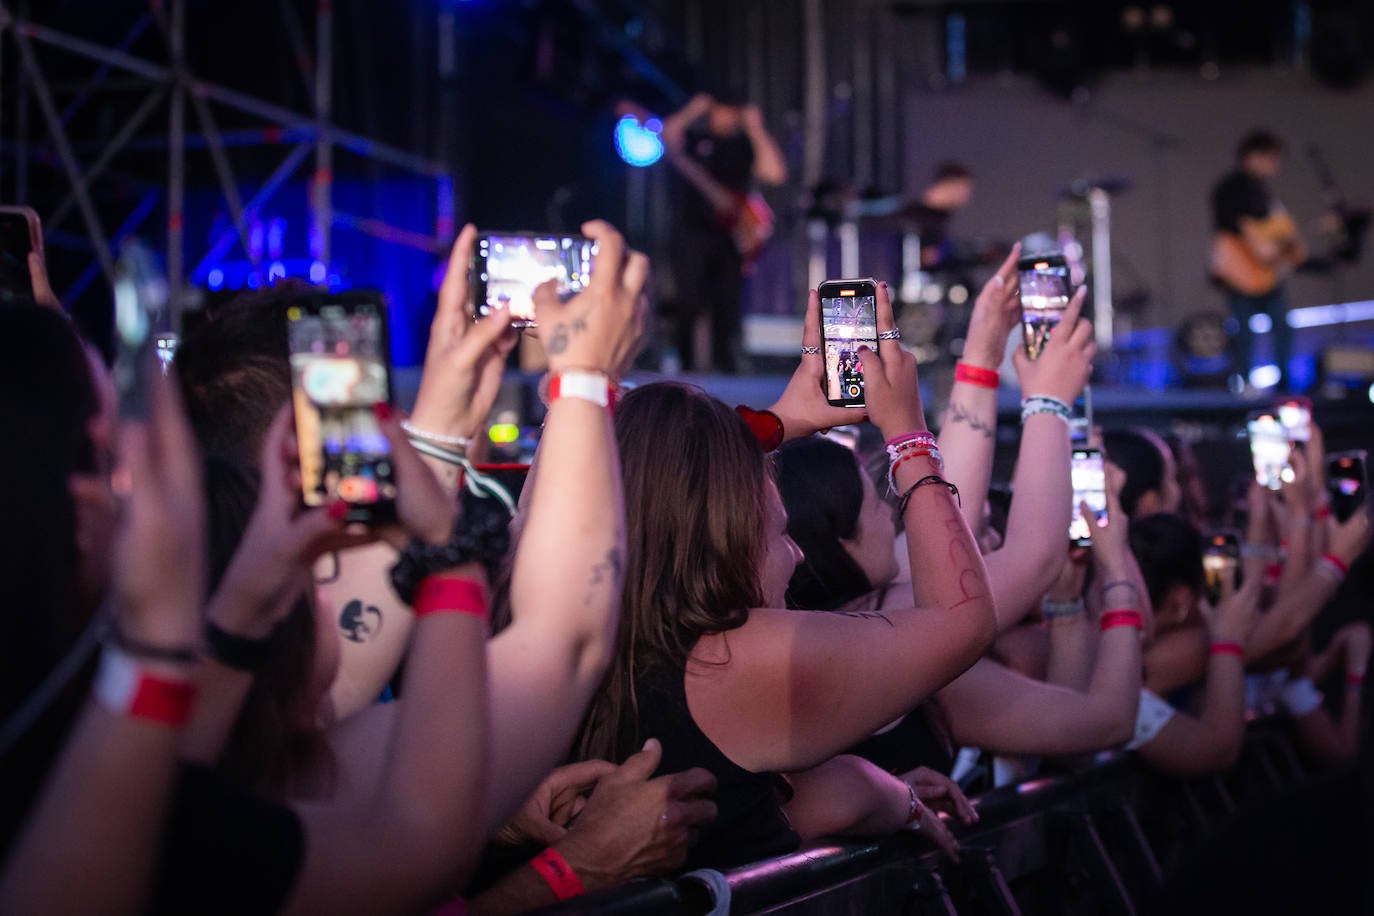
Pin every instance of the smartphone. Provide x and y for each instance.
(507, 266)
(1044, 297)
(849, 320)
(1089, 477)
(1269, 450)
(20, 233)
(1347, 481)
(1220, 564)
(340, 368)
(165, 346)
(1295, 414)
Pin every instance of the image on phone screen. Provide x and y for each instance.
(1044, 297)
(16, 283)
(1089, 477)
(1295, 415)
(339, 370)
(1220, 564)
(1347, 482)
(1269, 450)
(509, 266)
(849, 320)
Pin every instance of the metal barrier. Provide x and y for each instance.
(1098, 838)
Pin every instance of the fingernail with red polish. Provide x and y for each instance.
(338, 510)
(382, 410)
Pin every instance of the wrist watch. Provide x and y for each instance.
(481, 534)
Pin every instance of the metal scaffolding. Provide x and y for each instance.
(175, 83)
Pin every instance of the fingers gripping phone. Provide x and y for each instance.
(1347, 481)
(507, 266)
(1221, 565)
(1044, 297)
(340, 369)
(849, 320)
(1270, 449)
(20, 233)
(1295, 415)
(1089, 476)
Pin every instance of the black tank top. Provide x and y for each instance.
(750, 824)
(916, 741)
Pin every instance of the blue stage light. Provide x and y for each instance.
(639, 144)
(215, 278)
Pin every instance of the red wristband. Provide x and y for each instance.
(1123, 618)
(1228, 648)
(558, 874)
(1337, 562)
(764, 424)
(1354, 679)
(1323, 512)
(1273, 573)
(976, 375)
(450, 595)
(125, 689)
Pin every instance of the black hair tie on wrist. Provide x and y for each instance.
(240, 652)
(177, 655)
(926, 482)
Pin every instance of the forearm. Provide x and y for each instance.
(92, 840)
(521, 891)
(770, 167)
(1073, 645)
(847, 796)
(219, 701)
(1290, 615)
(968, 437)
(1223, 708)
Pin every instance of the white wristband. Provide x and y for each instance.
(586, 386)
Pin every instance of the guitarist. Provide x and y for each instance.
(719, 149)
(1255, 247)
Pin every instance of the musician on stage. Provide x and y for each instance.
(949, 191)
(1255, 247)
(720, 149)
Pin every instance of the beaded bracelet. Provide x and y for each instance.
(459, 443)
(1061, 611)
(932, 453)
(1040, 403)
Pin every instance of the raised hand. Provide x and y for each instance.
(996, 314)
(1066, 362)
(892, 388)
(803, 407)
(560, 797)
(465, 360)
(598, 329)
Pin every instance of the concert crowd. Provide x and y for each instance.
(705, 635)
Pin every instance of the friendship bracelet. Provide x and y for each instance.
(1228, 648)
(1061, 611)
(583, 385)
(415, 432)
(558, 874)
(976, 375)
(175, 655)
(897, 443)
(932, 453)
(1122, 618)
(1121, 583)
(123, 688)
(1337, 562)
(450, 595)
(1039, 404)
(925, 482)
(424, 447)
(765, 425)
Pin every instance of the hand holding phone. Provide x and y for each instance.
(1063, 368)
(849, 320)
(1044, 281)
(1221, 565)
(1089, 475)
(1270, 450)
(507, 266)
(1347, 482)
(1295, 415)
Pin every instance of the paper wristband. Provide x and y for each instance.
(1337, 562)
(1122, 619)
(558, 874)
(123, 688)
(976, 375)
(1228, 648)
(586, 386)
(450, 595)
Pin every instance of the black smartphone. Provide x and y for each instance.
(1347, 481)
(507, 266)
(1044, 297)
(849, 320)
(20, 233)
(1220, 564)
(1295, 415)
(1089, 476)
(1270, 450)
(341, 369)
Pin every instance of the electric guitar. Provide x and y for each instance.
(747, 217)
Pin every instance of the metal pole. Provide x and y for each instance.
(224, 172)
(176, 165)
(813, 140)
(322, 187)
(1100, 205)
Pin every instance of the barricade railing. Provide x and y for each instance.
(1074, 841)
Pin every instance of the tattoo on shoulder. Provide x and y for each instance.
(957, 414)
(360, 622)
(865, 615)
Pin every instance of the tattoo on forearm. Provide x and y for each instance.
(865, 615)
(360, 622)
(956, 413)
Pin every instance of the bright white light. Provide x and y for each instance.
(958, 294)
(215, 278)
(1266, 376)
(1371, 394)
(317, 271)
(1261, 323)
(276, 271)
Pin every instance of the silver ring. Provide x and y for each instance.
(893, 334)
(810, 351)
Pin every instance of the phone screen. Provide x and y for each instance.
(339, 370)
(1347, 482)
(1044, 297)
(849, 320)
(1089, 486)
(16, 241)
(1269, 449)
(508, 266)
(1295, 414)
(1221, 564)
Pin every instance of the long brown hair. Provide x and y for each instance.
(694, 511)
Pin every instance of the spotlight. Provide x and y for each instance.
(215, 278)
(1261, 323)
(1266, 376)
(639, 144)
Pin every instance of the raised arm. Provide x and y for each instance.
(1038, 523)
(968, 427)
(569, 563)
(92, 840)
(770, 167)
(1329, 738)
